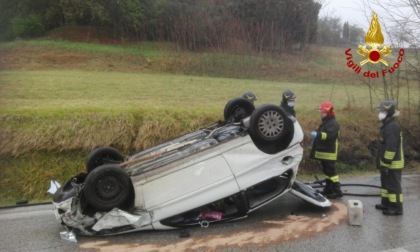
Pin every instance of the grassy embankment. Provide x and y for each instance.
(59, 100)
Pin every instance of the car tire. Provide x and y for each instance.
(106, 187)
(238, 109)
(101, 156)
(271, 129)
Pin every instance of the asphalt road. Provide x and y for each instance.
(287, 224)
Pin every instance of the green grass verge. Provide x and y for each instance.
(28, 177)
(147, 49)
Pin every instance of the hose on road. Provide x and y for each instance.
(321, 184)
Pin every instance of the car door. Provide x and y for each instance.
(251, 166)
(186, 184)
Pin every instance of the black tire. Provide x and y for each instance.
(271, 129)
(238, 109)
(106, 187)
(101, 156)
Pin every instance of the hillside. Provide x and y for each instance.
(318, 65)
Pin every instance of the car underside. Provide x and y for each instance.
(216, 174)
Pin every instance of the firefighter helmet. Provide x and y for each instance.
(388, 106)
(250, 96)
(327, 107)
(288, 95)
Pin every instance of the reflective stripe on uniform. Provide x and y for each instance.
(389, 155)
(394, 165)
(335, 179)
(397, 164)
(393, 198)
(328, 155)
(323, 135)
(384, 193)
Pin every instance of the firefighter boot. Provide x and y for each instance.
(393, 209)
(328, 188)
(335, 191)
(383, 205)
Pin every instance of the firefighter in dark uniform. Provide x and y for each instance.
(390, 159)
(325, 149)
(288, 102)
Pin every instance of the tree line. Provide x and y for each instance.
(273, 26)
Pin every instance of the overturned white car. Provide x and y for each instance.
(215, 174)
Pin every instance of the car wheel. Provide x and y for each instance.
(106, 187)
(101, 156)
(271, 129)
(238, 109)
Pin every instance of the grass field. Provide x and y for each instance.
(53, 114)
(58, 89)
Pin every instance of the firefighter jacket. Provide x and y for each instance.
(325, 146)
(390, 151)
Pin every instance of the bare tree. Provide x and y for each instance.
(402, 25)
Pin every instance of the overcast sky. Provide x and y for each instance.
(352, 11)
(395, 16)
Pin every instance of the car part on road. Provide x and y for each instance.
(308, 194)
(68, 235)
(54, 185)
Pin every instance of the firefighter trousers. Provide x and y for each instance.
(391, 190)
(328, 167)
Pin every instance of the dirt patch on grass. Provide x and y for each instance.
(65, 58)
(268, 233)
(84, 34)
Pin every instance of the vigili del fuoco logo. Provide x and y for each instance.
(374, 52)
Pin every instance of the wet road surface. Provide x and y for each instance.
(287, 224)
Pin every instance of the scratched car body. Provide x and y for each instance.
(216, 174)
